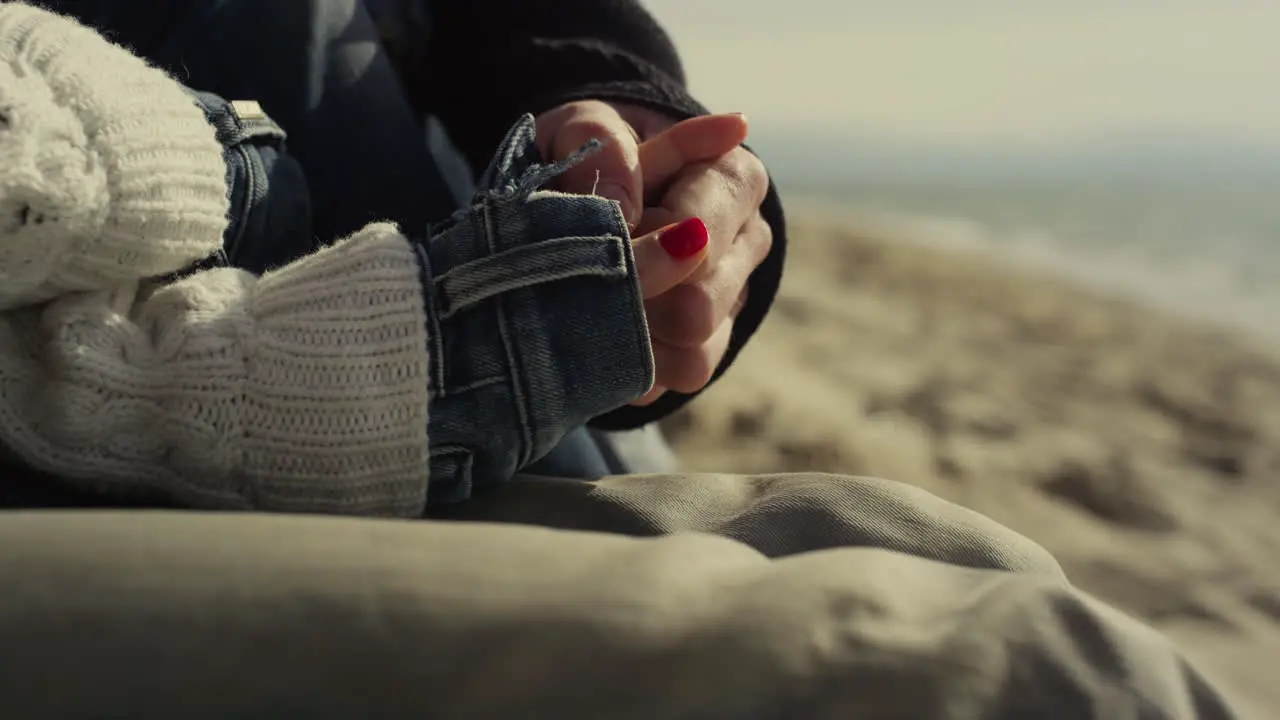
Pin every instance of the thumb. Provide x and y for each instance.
(666, 257)
(614, 171)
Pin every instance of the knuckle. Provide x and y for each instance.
(740, 303)
(688, 317)
(613, 135)
(595, 106)
(589, 110)
(582, 130)
(746, 173)
(696, 320)
(700, 373)
(693, 371)
(757, 178)
(761, 235)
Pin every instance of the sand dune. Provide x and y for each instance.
(1143, 450)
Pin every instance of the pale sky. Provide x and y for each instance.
(982, 70)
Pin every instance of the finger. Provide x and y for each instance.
(688, 370)
(613, 172)
(655, 218)
(666, 257)
(687, 315)
(724, 194)
(696, 140)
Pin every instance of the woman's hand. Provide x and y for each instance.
(684, 176)
(668, 256)
(662, 172)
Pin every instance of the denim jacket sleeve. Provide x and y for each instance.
(269, 220)
(534, 315)
(537, 321)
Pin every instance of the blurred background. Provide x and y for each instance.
(1034, 267)
(1134, 143)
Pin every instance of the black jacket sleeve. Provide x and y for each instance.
(487, 62)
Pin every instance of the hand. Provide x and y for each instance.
(691, 325)
(681, 170)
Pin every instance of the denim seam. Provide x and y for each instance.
(443, 450)
(479, 384)
(435, 333)
(240, 223)
(644, 344)
(518, 391)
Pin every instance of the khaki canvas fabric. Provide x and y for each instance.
(802, 596)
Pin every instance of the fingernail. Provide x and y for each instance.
(684, 239)
(615, 192)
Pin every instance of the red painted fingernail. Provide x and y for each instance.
(684, 239)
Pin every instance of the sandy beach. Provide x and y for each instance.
(1141, 448)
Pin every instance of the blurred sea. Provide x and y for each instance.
(1209, 251)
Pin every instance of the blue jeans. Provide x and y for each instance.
(317, 68)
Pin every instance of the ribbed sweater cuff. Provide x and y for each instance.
(338, 418)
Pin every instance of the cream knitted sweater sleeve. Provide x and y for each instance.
(302, 390)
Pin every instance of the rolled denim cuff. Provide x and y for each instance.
(536, 319)
(269, 218)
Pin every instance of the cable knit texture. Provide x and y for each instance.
(303, 390)
(108, 170)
